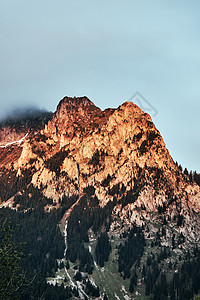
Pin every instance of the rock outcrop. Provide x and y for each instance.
(109, 150)
(107, 171)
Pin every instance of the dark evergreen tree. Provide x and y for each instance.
(11, 278)
(131, 251)
(103, 249)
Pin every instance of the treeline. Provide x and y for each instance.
(10, 184)
(43, 245)
(30, 198)
(147, 144)
(185, 283)
(80, 220)
(11, 279)
(54, 163)
(85, 215)
(192, 175)
(153, 275)
(131, 251)
(103, 249)
(174, 280)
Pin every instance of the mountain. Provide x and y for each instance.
(20, 122)
(128, 214)
(16, 127)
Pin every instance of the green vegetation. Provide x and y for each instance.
(11, 277)
(39, 232)
(131, 251)
(10, 184)
(132, 262)
(54, 163)
(146, 144)
(103, 249)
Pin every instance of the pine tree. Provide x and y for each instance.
(103, 248)
(11, 278)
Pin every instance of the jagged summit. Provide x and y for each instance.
(82, 110)
(76, 108)
(114, 143)
(79, 116)
(75, 101)
(71, 115)
(108, 170)
(96, 145)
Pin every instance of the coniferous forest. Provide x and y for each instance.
(36, 236)
(39, 234)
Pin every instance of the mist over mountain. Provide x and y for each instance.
(23, 113)
(21, 122)
(128, 215)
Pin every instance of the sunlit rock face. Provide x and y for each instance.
(104, 149)
(103, 172)
(117, 151)
(21, 123)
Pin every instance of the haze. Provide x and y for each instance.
(107, 50)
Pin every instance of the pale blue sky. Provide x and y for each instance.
(107, 50)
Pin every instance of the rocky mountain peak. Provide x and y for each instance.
(75, 109)
(103, 149)
(79, 116)
(114, 143)
(21, 123)
(107, 171)
(72, 113)
(70, 102)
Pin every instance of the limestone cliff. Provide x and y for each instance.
(107, 171)
(111, 150)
